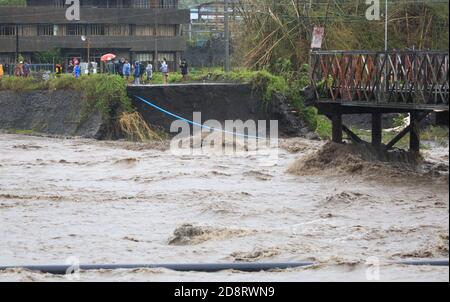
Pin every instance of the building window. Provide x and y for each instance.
(59, 3)
(141, 4)
(74, 30)
(167, 31)
(169, 56)
(7, 30)
(28, 30)
(144, 57)
(144, 30)
(168, 3)
(119, 30)
(97, 30)
(45, 30)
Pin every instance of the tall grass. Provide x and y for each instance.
(108, 94)
(277, 34)
(22, 84)
(136, 129)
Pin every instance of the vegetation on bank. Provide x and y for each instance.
(108, 95)
(104, 92)
(13, 2)
(263, 82)
(278, 34)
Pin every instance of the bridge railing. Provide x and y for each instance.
(398, 77)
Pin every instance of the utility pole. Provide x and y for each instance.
(386, 45)
(227, 37)
(155, 59)
(88, 51)
(17, 43)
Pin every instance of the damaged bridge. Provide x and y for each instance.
(376, 83)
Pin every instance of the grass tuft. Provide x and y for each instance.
(136, 129)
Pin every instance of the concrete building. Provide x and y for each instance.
(142, 30)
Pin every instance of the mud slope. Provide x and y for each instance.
(219, 102)
(49, 112)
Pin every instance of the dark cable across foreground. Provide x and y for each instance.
(205, 268)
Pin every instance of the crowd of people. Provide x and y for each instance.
(22, 69)
(142, 72)
(139, 72)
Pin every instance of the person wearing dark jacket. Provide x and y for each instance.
(184, 69)
(120, 68)
(143, 67)
(7, 69)
(137, 73)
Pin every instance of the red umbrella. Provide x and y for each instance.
(108, 57)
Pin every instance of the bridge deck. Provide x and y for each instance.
(405, 80)
(357, 82)
(369, 107)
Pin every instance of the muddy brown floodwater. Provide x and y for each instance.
(117, 202)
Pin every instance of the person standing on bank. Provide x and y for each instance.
(120, 67)
(6, 69)
(137, 73)
(1, 71)
(58, 69)
(70, 67)
(165, 71)
(126, 70)
(184, 70)
(26, 69)
(18, 70)
(77, 71)
(149, 71)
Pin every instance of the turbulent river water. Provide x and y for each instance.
(118, 202)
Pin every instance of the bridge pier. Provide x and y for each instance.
(414, 132)
(336, 120)
(377, 130)
(334, 111)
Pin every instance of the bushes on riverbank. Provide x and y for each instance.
(102, 92)
(263, 82)
(107, 93)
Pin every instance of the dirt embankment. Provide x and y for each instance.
(217, 101)
(57, 112)
(61, 112)
(354, 160)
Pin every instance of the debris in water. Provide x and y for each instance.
(27, 147)
(258, 175)
(255, 255)
(359, 160)
(127, 162)
(188, 234)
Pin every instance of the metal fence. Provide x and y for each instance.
(399, 77)
(35, 68)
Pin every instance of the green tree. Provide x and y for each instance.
(13, 2)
